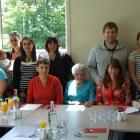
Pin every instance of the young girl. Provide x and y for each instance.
(24, 67)
(115, 90)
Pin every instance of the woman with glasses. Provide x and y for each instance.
(15, 45)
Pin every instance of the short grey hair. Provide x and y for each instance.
(78, 66)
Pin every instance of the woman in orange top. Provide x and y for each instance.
(115, 90)
(44, 88)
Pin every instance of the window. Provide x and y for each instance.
(35, 18)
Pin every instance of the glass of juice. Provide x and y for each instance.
(4, 108)
(42, 125)
(10, 104)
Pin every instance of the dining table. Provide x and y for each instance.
(82, 123)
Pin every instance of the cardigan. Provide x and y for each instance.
(61, 67)
(83, 93)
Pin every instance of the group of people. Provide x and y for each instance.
(54, 76)
(26, 67)
(114, 70)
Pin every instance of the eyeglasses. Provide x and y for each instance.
(14, 33)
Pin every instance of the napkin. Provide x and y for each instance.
(76, 108)
(30, 106)
(94, 130)
(131, 110)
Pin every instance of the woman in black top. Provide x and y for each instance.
(60, 62)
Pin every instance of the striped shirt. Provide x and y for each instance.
(136, 58)
(28, 71)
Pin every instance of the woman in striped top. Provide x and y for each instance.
(24, 67)
(134, 68)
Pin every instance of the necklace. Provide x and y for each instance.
(28, 60)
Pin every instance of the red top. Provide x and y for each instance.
(42, 94)
(110, 96)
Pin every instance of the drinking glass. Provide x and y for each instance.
(93, 116)
(4, 108)
(62, 124)
(42, 125)
(10, 104)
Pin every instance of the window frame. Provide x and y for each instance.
(1, 27)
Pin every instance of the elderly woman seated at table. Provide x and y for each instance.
(115, 90)
(80, 89)
(44, 88)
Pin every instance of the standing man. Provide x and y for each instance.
(101, 55)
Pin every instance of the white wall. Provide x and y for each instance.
(85, 19)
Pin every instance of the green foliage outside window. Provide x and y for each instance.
(35, 18)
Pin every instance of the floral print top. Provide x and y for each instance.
(111, 96)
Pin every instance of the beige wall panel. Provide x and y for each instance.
(85, 19)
